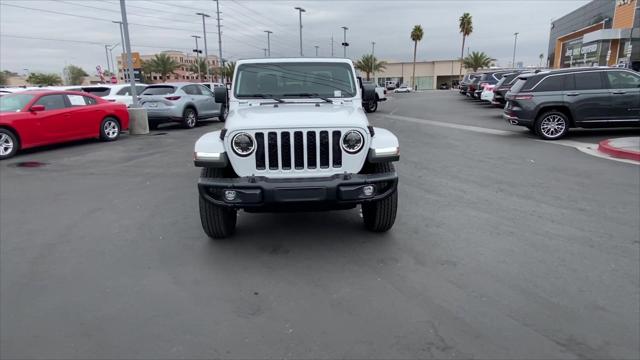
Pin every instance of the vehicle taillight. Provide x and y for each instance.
(172, 98)
(523, 97)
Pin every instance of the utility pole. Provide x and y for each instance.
(106, 53)
(204, 34)
(265, 52)
(268, 42)
(197, 51)
(331, 45)
(114, 69)
(219, 34)
(123, 49)
(127, 46)
(373, 49)
(344, 42)
(300, 11)
(515, 41)
(316, 46)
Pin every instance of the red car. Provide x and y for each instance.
(41, 117)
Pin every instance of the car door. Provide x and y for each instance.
(588, 98)
(624, 88)
(213, 108)
(54, 119)
(82, 121)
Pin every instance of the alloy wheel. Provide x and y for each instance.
(553, 126)
(191, 118)
(6, 144)
(111, 129)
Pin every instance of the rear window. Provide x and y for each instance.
(97, 91)
(159, 90)
(518, 85)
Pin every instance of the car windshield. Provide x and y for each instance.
(14, 102)
(295, 80)
(159, 90)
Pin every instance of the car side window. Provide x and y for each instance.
(206, 91)
(188, 90)
(591, 80)
(195, 90)
(552, 83)
(622, 80)
(89, 100)
(124, 91)
(76, 100)
(140, 89)
(52, 102)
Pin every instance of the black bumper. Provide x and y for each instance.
(337, 191)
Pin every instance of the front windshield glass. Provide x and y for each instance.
(295, 80)
(14, 102)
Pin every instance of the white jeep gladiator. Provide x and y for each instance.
(296, 139)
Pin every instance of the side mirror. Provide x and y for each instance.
(36, 108)
(368, 92)
(220, 95)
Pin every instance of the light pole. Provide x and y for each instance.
(300, 11)
(316, 46)
(268, 42)
(106, 54)
(373, 49)
(113, 64)
(219, 35)
(197, 51)
(331, 45)
(265, 52)
(344, 42)
(515, 41)
(204, 34)
(127, 46)
(123, 49)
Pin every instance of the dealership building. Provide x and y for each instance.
(429, 74)
(600, 33)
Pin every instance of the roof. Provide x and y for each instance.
(293, 60)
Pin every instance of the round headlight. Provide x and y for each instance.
(352, 141)
(242, 144)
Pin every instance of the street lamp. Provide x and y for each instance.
(197, 51)
(123, 49)
(316, 46)
(300, 11)
(114, 68)
(204, 33)
(268, 42)
(515, 41)
(344, 42)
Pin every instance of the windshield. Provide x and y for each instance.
(14, 102)
(291, 80)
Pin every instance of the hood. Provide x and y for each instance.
(296, 115)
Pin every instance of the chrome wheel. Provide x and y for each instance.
(6, 144)
(190, 118)
(111, 129)
(553, 126)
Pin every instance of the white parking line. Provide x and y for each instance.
(451, 125)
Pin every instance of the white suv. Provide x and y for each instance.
(296, 138)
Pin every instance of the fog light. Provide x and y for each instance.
(368, 190)
(230, 195)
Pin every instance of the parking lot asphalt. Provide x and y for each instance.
(504, 247)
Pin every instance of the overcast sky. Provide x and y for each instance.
(162, 25)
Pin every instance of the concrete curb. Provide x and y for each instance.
(624, 148)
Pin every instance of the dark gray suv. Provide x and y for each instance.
(550, 102)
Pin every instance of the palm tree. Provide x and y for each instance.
(541, 57)
(370, 64)
(416, 35)
(42, 79)
(477, 60)
(200, 67)
(226, 72)
(163, 65)
(466, 28)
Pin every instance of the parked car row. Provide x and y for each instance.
(550, 102)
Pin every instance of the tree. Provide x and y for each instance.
(200, 67)
(76, 74)
(163, 64)
(416, 35)
(477, 60)
(3, 78)
(226, 72)
(147, 69)
(466, 28)
(541, 58)
(42, 79)
(370, 64)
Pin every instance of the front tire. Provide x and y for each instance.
(379, 216)
(109, 129)
(552, 125)
(217, 222)
(189, 118)
(9, 144)
(371, 106)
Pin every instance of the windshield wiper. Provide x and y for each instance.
(263, 96)
(309, 95)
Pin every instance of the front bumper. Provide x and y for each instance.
(329, 192)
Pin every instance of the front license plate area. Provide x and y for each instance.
(300, 194)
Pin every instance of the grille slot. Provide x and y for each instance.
(299, 150)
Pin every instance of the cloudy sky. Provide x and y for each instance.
(44, 35)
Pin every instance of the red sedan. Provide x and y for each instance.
(41, 117)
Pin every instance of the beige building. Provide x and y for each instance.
(182, 74)
(429, 74)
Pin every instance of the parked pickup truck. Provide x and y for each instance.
(296, 139)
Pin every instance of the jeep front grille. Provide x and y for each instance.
(301, 150)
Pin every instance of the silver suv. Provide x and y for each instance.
(180, 102)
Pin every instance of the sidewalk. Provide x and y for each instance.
(624, 148)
